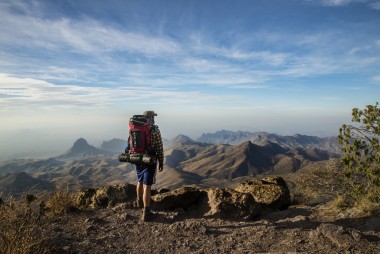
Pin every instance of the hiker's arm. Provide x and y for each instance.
(159, 149)
(127, 148)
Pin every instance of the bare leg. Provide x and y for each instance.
(139, 191)
(146, 196)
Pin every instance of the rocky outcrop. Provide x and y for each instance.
(109, 196)
(342, 238)
(269, 191)
(212, 202)
(106, 196)
(230, 204)
(245, 202)
(183, 198)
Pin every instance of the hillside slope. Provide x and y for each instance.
(248, 159)
(303, 141)
(186, 162)
(20, 183)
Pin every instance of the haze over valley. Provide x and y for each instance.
(215, 159)
(250, 97)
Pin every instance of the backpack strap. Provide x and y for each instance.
(151, 149)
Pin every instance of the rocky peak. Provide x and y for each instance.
(80, 145)
(182, 139)
(81, 149)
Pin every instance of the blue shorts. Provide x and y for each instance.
(146, 174)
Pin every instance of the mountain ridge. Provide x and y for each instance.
(81, 150)
(20, 182)
(114, 145)
(186, 162)
(298, 140)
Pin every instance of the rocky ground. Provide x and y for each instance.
(307, 214)
(295, 230)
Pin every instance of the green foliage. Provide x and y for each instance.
(361, 152)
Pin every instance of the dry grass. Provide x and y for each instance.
(367, 206)
(319, 183)
(20, 227)
(339, 202)
(324, 185)
(302, 196)
(22, 221)
(344, 207)
(61, 202)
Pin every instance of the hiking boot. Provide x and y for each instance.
(138, 203)
(146, 216)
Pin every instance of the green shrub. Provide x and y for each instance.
(361, 153)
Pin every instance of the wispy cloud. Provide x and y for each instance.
(90, 62)
(26, 92)
(330, 98)
(89, 35)
(375, 5)
(376, 79)
(248, 86)
(83, 36)
(263, 57)
(314, 65)
(336, 2)
(370, 3)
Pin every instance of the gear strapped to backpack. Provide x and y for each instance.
(139, 142)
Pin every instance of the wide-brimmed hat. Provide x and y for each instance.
(149, 113)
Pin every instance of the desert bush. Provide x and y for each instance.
(340, 202)
(361, 153)
(321, 183)
(61, 202)
(20, 227)
(300, 197)
(367, 206)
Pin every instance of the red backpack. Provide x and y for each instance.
(139, 142)
(139, 134)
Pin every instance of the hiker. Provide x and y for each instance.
(146, 172)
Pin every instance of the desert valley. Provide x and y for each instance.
(215, 159)
(200, 200)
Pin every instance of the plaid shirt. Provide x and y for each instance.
(156, 142)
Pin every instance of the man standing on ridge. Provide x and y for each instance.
(146, 173)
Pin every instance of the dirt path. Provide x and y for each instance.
(119, 230)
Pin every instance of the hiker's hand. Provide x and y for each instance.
(160, 167)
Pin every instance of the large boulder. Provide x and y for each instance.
(230, 204)
(213, 202)
(106, 196)
(269, 191)
(183, 198)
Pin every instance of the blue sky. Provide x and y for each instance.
(73, 69)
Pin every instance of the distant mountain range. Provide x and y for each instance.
(208, 161)
(227, 162)
(303, 141)
(237, 137)
(114, 145)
